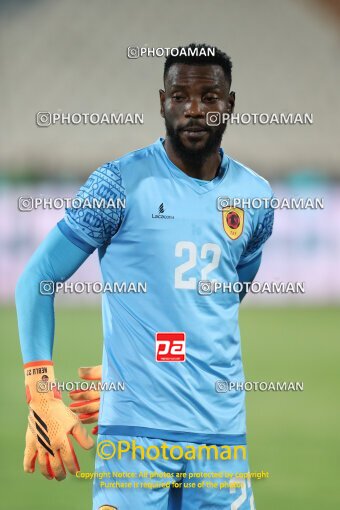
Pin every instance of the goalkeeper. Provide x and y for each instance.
(175, 343)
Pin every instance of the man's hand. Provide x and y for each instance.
(50, 423)
(86, 402)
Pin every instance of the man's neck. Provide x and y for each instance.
(206, 169)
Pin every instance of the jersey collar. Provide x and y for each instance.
(200, 187)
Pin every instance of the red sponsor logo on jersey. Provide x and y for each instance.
(170, 346)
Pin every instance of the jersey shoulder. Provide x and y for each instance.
(136, 159)
(251, 181)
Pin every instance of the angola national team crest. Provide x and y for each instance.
(233, 219)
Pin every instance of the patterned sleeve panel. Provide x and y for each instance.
(99, 209)
(262, 232)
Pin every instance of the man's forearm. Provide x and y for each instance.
(55, 260)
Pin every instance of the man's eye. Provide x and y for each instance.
(211, 98)
(177, 97)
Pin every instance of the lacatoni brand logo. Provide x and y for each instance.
(161, 215)
(170, 346)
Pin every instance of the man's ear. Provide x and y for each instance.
(231, 102)
(162, 101)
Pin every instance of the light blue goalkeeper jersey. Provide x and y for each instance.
(170, 236)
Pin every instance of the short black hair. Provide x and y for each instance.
(199, 54)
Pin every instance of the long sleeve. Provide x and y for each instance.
(247, 272)
(251, 258)
(55, 260)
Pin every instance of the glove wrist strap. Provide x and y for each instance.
(39, 379)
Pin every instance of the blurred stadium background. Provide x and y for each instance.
(71, 56)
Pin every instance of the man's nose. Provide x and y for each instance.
(194, 108)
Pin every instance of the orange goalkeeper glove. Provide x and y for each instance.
(49, 423)
(87, 402)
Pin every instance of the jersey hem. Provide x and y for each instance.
(172, 435)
